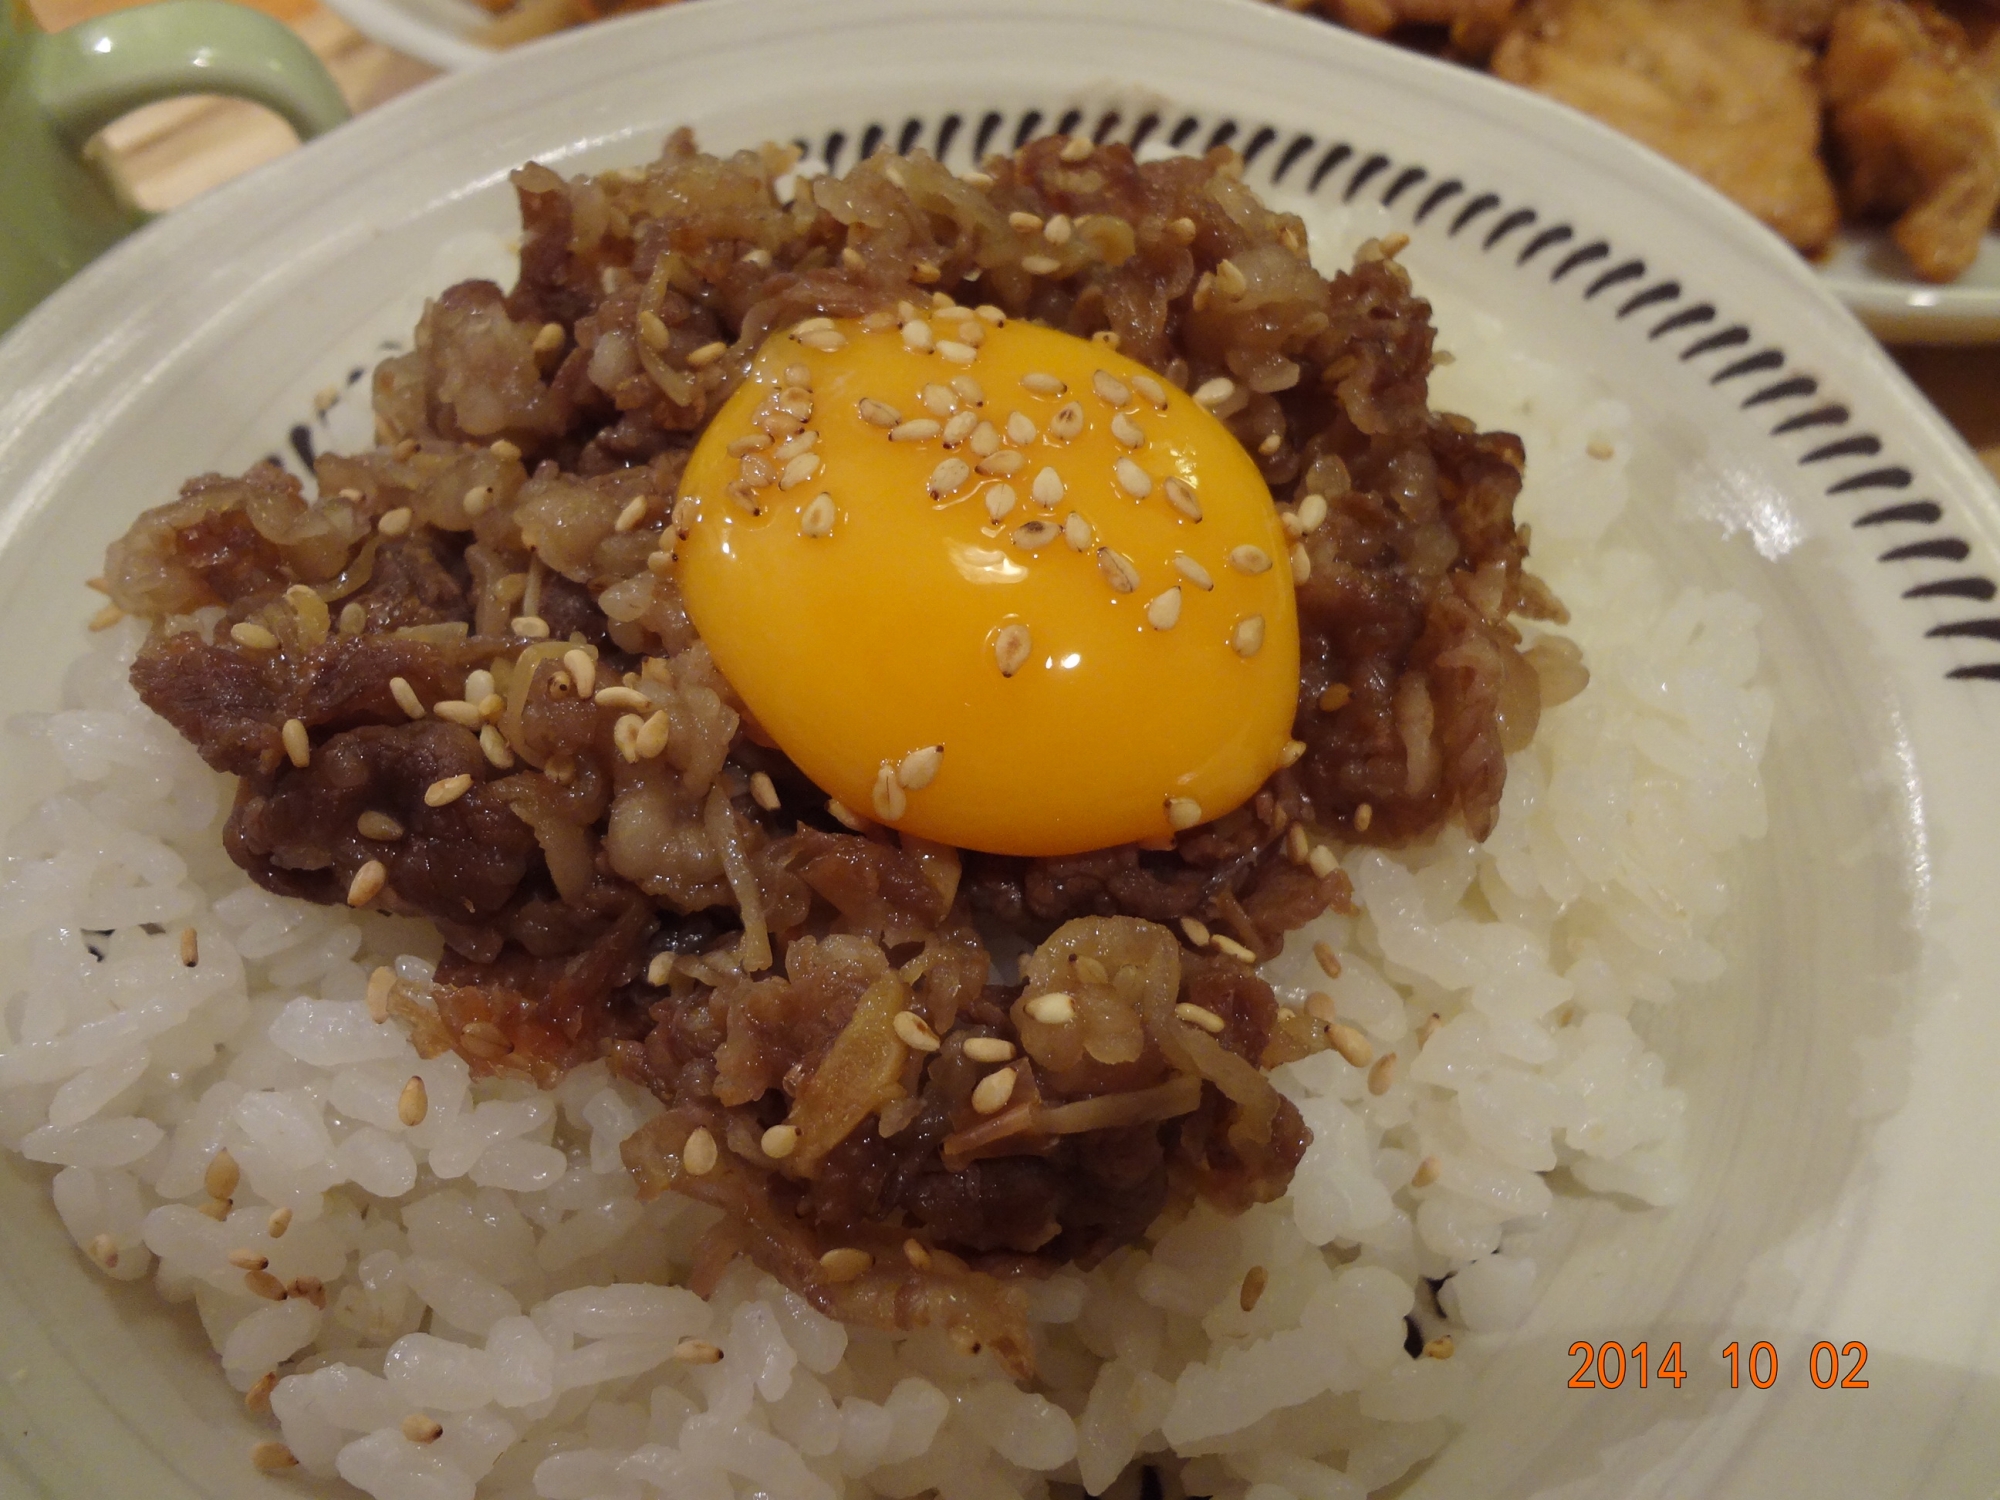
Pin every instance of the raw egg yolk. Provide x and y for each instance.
(991, 584)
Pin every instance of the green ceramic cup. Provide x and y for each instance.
(58, 208)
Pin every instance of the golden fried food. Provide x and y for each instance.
(1915, 126)
(1697, 80)
(1474, 25)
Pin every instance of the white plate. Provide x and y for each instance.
(1863, 268)
(1842, 1151)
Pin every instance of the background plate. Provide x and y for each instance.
(1843, 1071)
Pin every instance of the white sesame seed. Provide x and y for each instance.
(756, 471)
(1212, 393)
(1182, 812)
(968, 390)
(920, 767)
(444, 792)
(938, 400)
(845, 816)
(222, 1175)
(104, 1250)
(1272, 442)
(917, 430)
(1000, 502)
(625, 737)
(1075, 149)
(1290, 752)
(1301, 564)
(1024, 221)
(1132, 479)
(1230, 948)
(780, 1141)
(1033, 534)
(633, 513)
(844, 1263)
(697, 1352)
(988, 1049)
(1251, 560)
(1052, 1009)
(1322, 861)
(659, 970)
(961, 426)
(948, 478)
(698, 1153)
(582, 670)
(272, 1457)
(1164, 612)
(1192, 571)
(817, 518)
(1151, 389)
(985, 439)
(799, 375)
(298, 744)
(709, 353)
(826, 339)
(1117, 570)
(991, 1093)
(256, 637)
(380, 984)
(1021, 429)
(875, 413)
(367, 883)
(958, 353)
(991, 315)
(413, 1103)
(395, 522)
(1040, 265)
(1011, 645)
(1196, 1015)
(889, 799)
(190, 948)
(1312, 512)
(917, 336)
(1043, 384)
(1230, 279)
(1048, 489)
(811, 325)
(914, 1032)
(1004, 464)
(1248, 637)
(419, 1428)
(651, 739)
(619, 696)
(805, 442)
(971, 332)
(458, 711)
(278, 1223)
(1067, 423)
(799, 471)
(1182, 499)
(1110, 388)
(379, 827)
(477, 499)
(1077, 532)
(1127, 431)
(1354, 1048)
(1058, 230)
(1382, 1077)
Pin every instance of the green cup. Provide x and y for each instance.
(58, 207)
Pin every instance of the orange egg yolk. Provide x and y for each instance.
(991, 584)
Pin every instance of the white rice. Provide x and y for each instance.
(492, 1267)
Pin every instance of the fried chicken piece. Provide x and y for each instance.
(1474, 25)
(1916, 130)
(1699, 82)
(1797, 20)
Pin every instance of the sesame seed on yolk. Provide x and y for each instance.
(879, 606)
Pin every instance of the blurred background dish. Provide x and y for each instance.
(1866, 132)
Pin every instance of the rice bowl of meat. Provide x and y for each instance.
(472, 1255)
